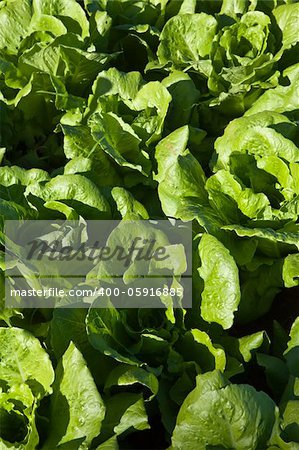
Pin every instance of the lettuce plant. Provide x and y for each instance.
(159, 109)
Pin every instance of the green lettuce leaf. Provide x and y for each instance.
(221, 294)
(219, 414)
(183, 48)
(180, 176)
(77, 410)
(19, 352)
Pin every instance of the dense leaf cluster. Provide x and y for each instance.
(184, 109)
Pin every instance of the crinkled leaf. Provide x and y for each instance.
(181, 178)
(221, 294)
(290, 271)
(77, 409)
(183, 47)
(23, 360)
(229, 416)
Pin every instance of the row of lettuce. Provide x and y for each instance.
(170, 109)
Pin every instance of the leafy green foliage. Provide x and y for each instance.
(157, 109)
(219, 414)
